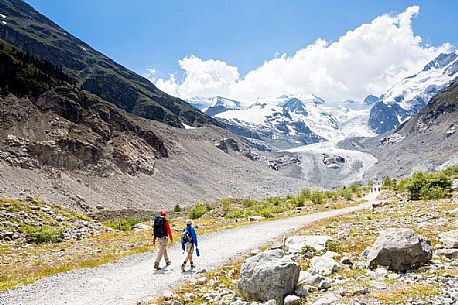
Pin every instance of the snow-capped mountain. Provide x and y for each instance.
(214, 105)
(291, 121)
(413, 93)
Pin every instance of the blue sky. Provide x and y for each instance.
(145, 34)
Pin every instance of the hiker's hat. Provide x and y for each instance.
(162, 213)
(189, 222)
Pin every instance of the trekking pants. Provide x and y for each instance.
(162, 243)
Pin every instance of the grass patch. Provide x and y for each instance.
(122, 224)
(44, 234)
(402, 294)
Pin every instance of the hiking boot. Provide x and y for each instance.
(168, 263)
(182, 267)
(156, 266)
(193, 266)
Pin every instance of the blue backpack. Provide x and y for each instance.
(186, 236)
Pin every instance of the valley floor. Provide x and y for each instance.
(133, 278)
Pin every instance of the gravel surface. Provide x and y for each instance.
(133, 278)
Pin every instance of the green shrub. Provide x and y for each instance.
(198, 210)
(345, 193)
(428, 185)
(317, 197)
(370, 184)
(235, 214)
(355, 187)
(122, 224)
(226, 204)
(388, 182)
(44, 234)
(177, 208)
(332, 245)
(304, 195)
(305, 249)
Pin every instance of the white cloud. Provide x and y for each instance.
(367, 60)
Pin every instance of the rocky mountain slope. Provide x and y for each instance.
(427, 141)
(69, 146)
(291, 121)
(32, 32)
(409, 96)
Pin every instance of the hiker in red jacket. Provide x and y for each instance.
(162, 232)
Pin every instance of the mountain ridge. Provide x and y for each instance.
(32, 32)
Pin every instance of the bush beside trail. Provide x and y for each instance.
(425, 186)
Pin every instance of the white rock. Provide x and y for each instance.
(292, 300)
(301, 291)
(294, 244)
(449, 239)
(256, 218)
(327, 299)
(201, 280)
(306, 278)
(141, 227)
(324, 265)
(377, 285)
(454, 212)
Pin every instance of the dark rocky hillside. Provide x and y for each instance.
(66, 145)
(46, 121)
(32, 32)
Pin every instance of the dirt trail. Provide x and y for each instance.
(133, 278)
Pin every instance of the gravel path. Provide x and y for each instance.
(133, 278)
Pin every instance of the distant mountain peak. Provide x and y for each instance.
(413, 93)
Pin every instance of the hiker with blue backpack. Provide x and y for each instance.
(189, 243)
(162, 233)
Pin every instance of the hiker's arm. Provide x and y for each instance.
(194, 236)
(169, 232)
(154, 240)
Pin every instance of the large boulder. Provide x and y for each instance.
(294, 244)
(400, 250)
(449, 239)
(268, 275)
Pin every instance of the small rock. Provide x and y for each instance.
(255, 252)
(324, 265)
(256, 218)
(377, 285)
(449, 239)
(448, 253)
(301, 291)
(294, 244)
(292, 300)
(140, 227)
(346, 261)
(381, 272)
(327, 299)
(189, 297)
(201, 280)
(324, 284)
